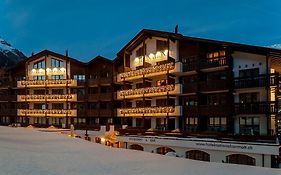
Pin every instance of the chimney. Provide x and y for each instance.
(32, 53)
(66, 53)
(176, 29)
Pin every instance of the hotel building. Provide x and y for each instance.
(202, 99)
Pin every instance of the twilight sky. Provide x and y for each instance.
(88, 28)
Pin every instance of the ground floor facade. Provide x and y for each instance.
(212, 150)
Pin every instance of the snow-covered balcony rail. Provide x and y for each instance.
(55, 97)
(48, 83)
(47, 112)
(150, 111)
(147, 72)
(150, 91)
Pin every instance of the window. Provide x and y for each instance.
(249, 73)
(57, 77)
(39, 64)
(56, 63)
(39, 92)
(38, 77)
(191, 121)
(40, 106)
(249, 125)
(248, 97)
(161, 45)
(241, 159)
(161, 82)
(57, 91)
(214, 55)
(79, 77)
(198, 155)
(141, 51)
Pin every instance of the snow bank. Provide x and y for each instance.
(29, 151)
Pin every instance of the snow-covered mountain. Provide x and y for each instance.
(9, 55)
(275, 46)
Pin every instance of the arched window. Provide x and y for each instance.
(240, 159)
(197, 155)
(136, 147)
(164, 150)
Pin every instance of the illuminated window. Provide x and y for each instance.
(79, 77)
(213, 55)
(161, 82)
(57, 63)
(39, 64)
(191, 121)
(57, 77)
(249, 125)
(38, 77)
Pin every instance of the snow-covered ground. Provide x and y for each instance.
(33, 152)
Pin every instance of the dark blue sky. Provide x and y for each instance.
(88, 27)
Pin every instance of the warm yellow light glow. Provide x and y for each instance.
(62, 69)
(158, 54)
(33, 70)
(166, 52)
(41, 70)
(48, 69)
(137, 59)
(102, 139)
(151, 56)
(55, 69)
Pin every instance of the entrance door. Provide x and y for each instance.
(171, 124)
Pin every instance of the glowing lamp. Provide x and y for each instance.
(166, 52)
(55, 69)
(158, 54)
(151, 56)
(33, 70)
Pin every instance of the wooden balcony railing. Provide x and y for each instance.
(150, 111)
(94, 82)
(209, 110)
(8, 97)
(47, 112)
(214, 62)
(190, 63)
(256, 108)
(105, 112)
(214, 85)
(46, 83)
(9, 112)
(190, 88)
(257, 81)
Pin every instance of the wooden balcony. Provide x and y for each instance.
(214, 63)
(47, 112)
(7, 84)
(214, 85)
(190, 64)
(150, 111)
(40, 98)
(209, 110)
(256, 108)
(93, 97)
(46, 83)
(150, 91)
(257, 81)
(216, 110)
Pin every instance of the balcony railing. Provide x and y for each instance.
(9, 112)
(147, 72)
(214, 62)
(46, 83)
(257, 81)
(214, 85)
(149, 91)
(190, 88)
(47, 112)
(8, 97)
(209, 110)
(94, 82)
(105, 112)
(100, 96)
(255, 108)
(190, 64)
(54, 97)
(150, 111)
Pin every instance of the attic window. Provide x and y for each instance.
(57, 63)
(39, 64)
(140, 51)
(161, 45)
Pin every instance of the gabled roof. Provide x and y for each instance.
(99, 58)
(48, 52)
(147, 33)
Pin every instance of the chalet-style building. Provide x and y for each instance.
(203, 99)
